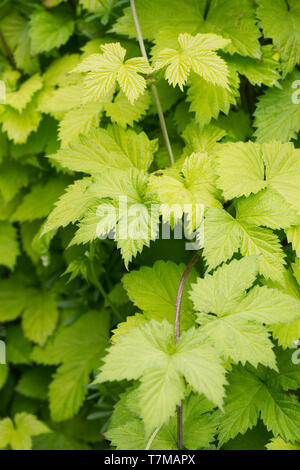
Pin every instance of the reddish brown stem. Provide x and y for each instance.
(177, 335)
(179, 295)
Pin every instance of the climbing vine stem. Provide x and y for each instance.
(177, 335)
(153, 87)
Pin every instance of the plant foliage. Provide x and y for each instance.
(94, 356)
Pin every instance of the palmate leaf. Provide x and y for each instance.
(262, 208)
(273, 165)
(50, 29)
(187, 192)
(277, 114)
(162, 367)
(258, 395)
(281, 22)
(18, 434)
(78, 349)
(238, 235)
(153, 290)
(221, 297)
(237, 331)
(131, 212)
(197, 54)
(111, 148)
(239, 341)
(105, 69)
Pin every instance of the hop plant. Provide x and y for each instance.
(197, 54)
(106, 69)
(104, 153)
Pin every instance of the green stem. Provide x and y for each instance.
(153, 87)
(153, 436)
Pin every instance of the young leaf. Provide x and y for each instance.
(19, 436)
(163, 366)
(197, 54)
(130, 213)
(112, 148)
(224, 295)
(105, 69)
